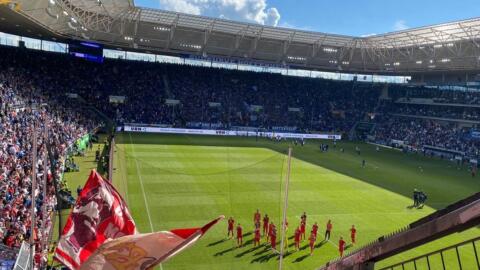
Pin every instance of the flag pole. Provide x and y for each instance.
(285, 207)
(34, 186)
(45, 180)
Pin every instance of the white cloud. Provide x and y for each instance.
(256, 11)
(400, 25)
(273, 16)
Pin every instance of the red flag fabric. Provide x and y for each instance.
(143, 251)
(100, 213)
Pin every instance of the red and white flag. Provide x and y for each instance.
(99, 214)
(143, 251)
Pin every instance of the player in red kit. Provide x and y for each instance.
(297, 238)
(312, 240)
(302, 229)
(256, 238)
(304, 217)
(273, 237)
(266, 219)
(315, 229)
(256, 217)
(270, 227)
(328, 230)
(341, 246)
(231, 224)
(239, 235)
(353, 233)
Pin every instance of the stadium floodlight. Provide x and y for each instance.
(65, 13)
(345, 63)
(296, 58)
(329, 50)
(396, 64)
(437, 46)
(161, 28)
(419, 62)
(128, 38)
(52, 2)
(73, 20)
(192, 46)
(445, 60)
(332, 61)
(432, 66)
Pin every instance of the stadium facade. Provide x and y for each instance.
(445, 53)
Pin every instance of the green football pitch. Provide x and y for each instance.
(176, 181)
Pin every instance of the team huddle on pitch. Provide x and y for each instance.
(270, 232)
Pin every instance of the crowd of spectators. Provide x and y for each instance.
(215, 97)
(413, 116)
(28, 105)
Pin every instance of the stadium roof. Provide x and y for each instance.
(118, 23)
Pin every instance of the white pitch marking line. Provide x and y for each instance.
(143, 189)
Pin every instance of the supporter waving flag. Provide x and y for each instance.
(144, 251)
(101, 234)
(99, 214)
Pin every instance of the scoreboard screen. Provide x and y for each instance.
(87, 50)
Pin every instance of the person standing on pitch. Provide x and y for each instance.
(341, 246)
(304, 217)
(312, 240)
(328, 230)
(270, 228)
(273, 237)
(266, 219)
(231, 224)
(315, 229)
(353, 233)
(415, 198)
(297, 239)
(256, 217)
(256, 239)
(302, 228)
(239, 235)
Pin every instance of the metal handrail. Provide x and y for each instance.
(391, 267)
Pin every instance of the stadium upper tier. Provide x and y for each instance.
(449, 46)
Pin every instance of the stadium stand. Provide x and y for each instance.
(25, 100)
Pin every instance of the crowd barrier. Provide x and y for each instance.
(213, 132)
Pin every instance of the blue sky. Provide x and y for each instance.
(348, 17)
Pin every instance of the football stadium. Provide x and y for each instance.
(140, 137)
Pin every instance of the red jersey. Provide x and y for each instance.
(256, 217)
(315, 229)
(265, 222)
(302, 227)
(312, 239)
(341, 245)
(270, 228)
(257, 234)
(231, 222)
(353, 231)
(239, 232)
(297, 235)
(329, 226)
